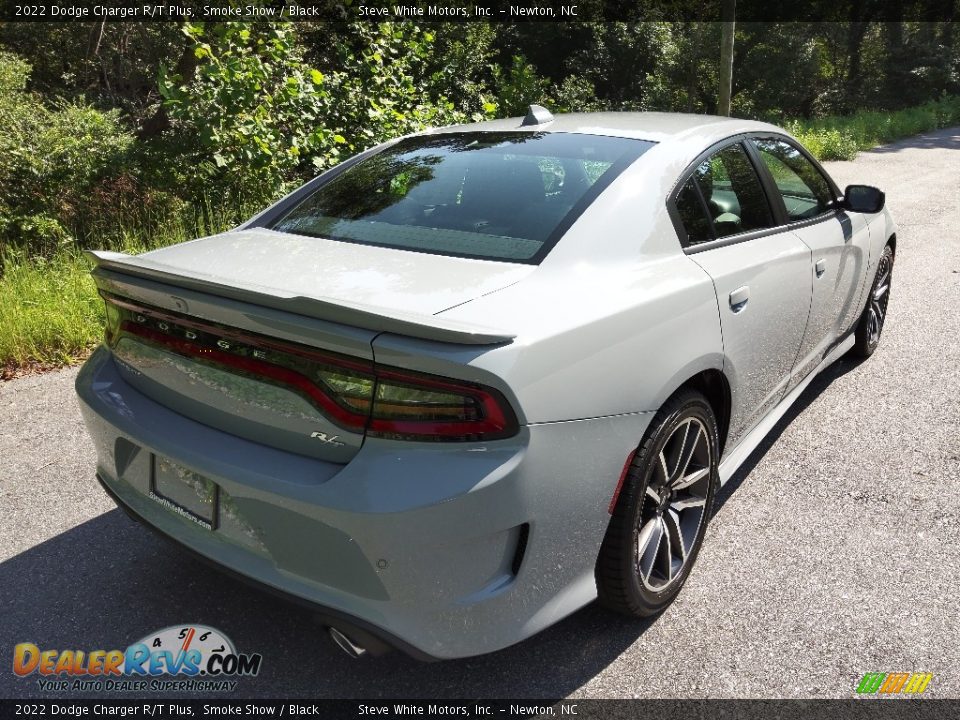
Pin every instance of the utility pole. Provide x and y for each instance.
(728, 13)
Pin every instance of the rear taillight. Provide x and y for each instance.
(358, 395)
(409, 405)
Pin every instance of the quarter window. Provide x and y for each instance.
(805, 192)
(693, 214)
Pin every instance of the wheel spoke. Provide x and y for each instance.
(652, 494)
(663, 467)
(880, 292)
(691, 501)
(688, 450)
(873, 324)
(648, 543)
(647, 533)
(665, 556)
(691, 479)
(878, 311)
(672, 521)
(678, 465)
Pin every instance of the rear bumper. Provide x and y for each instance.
(374, 639)
(438, 549)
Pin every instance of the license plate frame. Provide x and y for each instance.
(184, 492)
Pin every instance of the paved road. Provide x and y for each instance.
(835, 551)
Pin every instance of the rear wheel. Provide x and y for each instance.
(661, 515)
(874, 314)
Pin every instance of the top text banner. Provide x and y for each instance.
(479, 10)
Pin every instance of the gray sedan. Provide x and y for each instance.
(470, 380)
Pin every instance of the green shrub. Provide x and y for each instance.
(519, 85)
(841, 137)
(50, 159)
(254, 119)
(827, 144)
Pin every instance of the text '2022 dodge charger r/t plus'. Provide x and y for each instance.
(468, 381)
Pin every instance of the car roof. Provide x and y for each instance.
(653, 126)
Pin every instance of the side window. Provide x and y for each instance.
(806, 193)
(731, 189)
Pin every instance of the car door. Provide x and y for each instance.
(839, 242)
(760, 272)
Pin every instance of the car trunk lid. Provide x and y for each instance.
(377, 277)
(273, 365)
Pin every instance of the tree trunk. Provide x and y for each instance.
(897, 63)
(728, 11)
(96, 37)
(693, 61)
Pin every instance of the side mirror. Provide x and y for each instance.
(863, 199)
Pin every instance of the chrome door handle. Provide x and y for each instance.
(821, 267)
(739, 297)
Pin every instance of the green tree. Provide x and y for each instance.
(383, 85)
(247, 119)
(251, 117)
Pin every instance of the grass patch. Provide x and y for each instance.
(51, 314)
(842, 137)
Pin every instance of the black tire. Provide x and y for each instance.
(621, 566)
(873, 318)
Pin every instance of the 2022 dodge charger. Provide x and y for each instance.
(466, 382)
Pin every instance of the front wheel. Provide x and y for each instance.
(871, 322)
(661, 515)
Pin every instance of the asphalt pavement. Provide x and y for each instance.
(832, 553)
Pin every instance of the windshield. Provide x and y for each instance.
(498, 196)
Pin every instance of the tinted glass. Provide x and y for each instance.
(500, 196)
(694, 216)
(805, 191)
(735, 199)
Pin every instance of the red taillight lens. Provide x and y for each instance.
(409, 405)
(339, 386)
(356, 394)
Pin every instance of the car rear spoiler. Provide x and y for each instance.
(368, 317)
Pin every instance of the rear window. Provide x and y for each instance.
(497, 196)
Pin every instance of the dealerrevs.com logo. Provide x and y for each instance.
(178, 658)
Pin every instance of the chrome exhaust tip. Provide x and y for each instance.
(346, 644)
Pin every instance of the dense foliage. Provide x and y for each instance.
(51, 158)
(121, 132)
